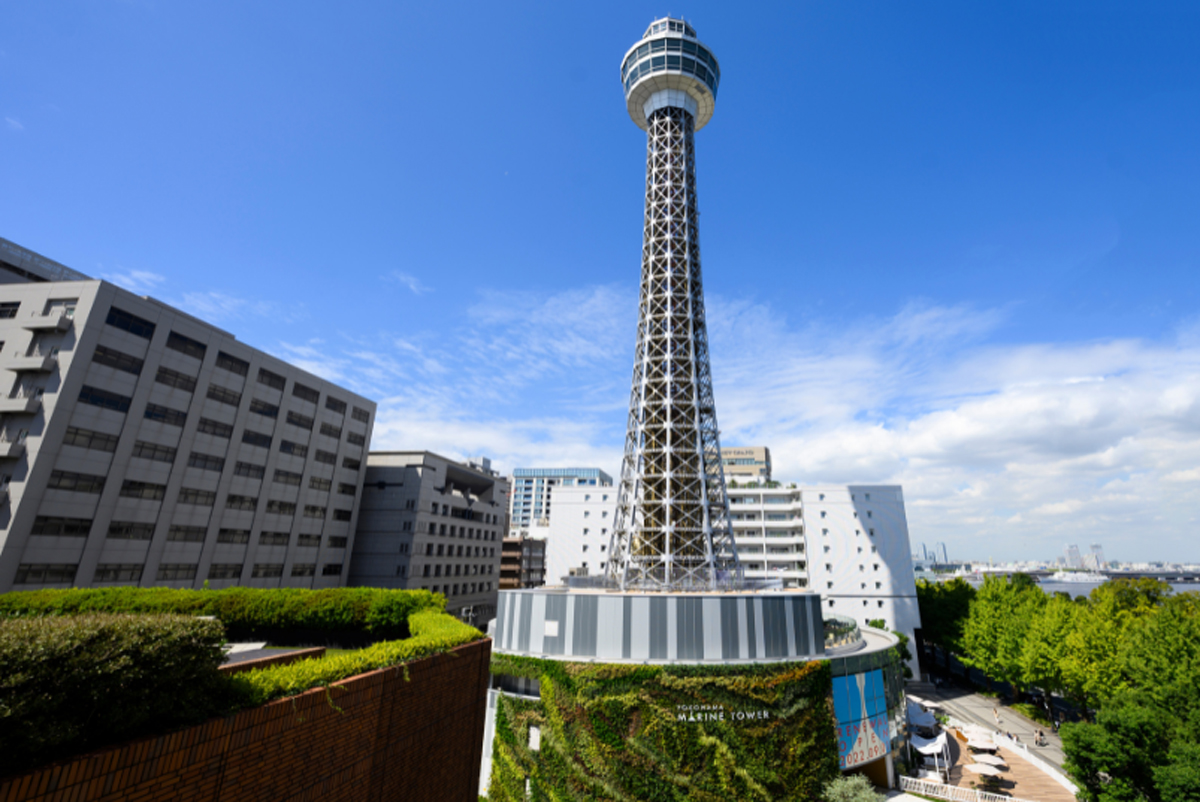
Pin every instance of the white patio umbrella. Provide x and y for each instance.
(979, 768)
(990, 760)
(976, 743)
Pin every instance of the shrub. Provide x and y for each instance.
(72, 683)
(247, 613)
(433, 632)
(1032, 712)
(851, 788)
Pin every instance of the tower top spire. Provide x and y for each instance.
(670, 66)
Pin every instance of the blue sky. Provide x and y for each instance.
(946, 245)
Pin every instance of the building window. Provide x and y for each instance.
(281, 507)
(267, 571)
(341, 515)
(187, 534)
(119, 318)
(232, 364)
(173, 378)
(310, 541)
(171, 417)
(186, 345)
(335, 405)
(336, 542)
(128, 530)
(306, 393)
(235, 502)
(361, 415)
(206, 462)
(9, 310)
(317, 483)
(174, 572)
(76, 482)
(249, 470)
(346, 489)
(329, 430)
(274, 538)
(256, 439)
(45, 574)
(118, 572)
(235, 536)
(223, 395)
(302, 421)
(85, 438)
(325, 457)
(104, 399)
(332, 569)
(295, 449)
(200, 498)
(272, 380)
(314, 511)
(115, 359)
(304, 569)
(62, 527)
(216, 429)
(225, 571)
(288, 477)
(352, 464)
(355, 439)
(259, 407)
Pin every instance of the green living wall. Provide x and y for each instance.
(647, 733)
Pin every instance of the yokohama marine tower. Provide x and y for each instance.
(672, 527)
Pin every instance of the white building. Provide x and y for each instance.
(531, 493)
(847, 542)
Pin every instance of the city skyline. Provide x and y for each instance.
(956, 258)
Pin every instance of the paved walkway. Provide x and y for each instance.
(972, 708)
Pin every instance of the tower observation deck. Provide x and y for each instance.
(672, 528)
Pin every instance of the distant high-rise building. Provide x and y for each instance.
(1074, 558)
(522, 563)
(1096, 559)
(531, 492)
(747, 464)
(945, 553)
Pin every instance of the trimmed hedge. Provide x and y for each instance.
(247, 613)
(68, 684)
(433, 632)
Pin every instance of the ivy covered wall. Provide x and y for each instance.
(653, 733)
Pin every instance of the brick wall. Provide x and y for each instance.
(388, 739)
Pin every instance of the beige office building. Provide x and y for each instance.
(751, 464)
(141, 446)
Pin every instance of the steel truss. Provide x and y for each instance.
(672, 528)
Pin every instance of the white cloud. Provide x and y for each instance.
(219, 307)
(142, 282)
(14, 125)
(413, 283)
(1003, 450)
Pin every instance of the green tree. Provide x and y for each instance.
(1092, 669)
(1045, 642)
(994, 633)
(944, 609)
(1116, 759)
(1179, 779)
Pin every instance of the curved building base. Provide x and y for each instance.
(606, 695)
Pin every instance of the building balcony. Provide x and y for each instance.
(11, 447)
(56, 320)
(34, 363)
(21, 404)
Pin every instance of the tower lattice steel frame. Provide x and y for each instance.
(672, 529)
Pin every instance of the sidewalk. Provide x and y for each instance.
(972, 708)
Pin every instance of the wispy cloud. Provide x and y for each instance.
(14, 125)
(142, 282)
(408, 280)
(220, 307)
(1002, 449)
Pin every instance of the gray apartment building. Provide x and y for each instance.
(431, 523)
(141, 446)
